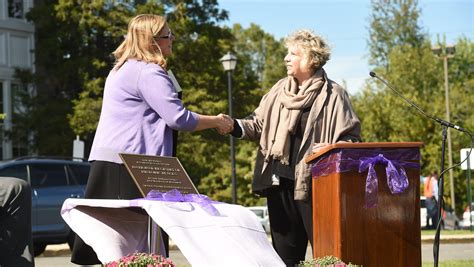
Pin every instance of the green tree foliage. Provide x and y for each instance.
(461, 89)
(402, 54)
(264, 53)
(392, 22)
(22, 114)
(399, 54)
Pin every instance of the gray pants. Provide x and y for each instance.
(16, 246)
(432, 210)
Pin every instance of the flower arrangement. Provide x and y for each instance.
(140, 259)
(327, 261)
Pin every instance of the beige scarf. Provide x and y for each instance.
(281, 116)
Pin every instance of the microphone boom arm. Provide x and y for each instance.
(438, 120)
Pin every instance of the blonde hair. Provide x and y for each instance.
(140, 41)
(315, 49)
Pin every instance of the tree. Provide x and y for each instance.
(401, 53)
(461, 88)
(392, 22)
(23, 98)
(264, 53)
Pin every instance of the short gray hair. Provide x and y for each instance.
(314, 47)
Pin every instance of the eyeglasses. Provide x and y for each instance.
(170, 35)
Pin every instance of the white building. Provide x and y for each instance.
(16, 51)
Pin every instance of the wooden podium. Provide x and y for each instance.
(387, 234)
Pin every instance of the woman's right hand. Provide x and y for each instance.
(224, 124)
(319, 146)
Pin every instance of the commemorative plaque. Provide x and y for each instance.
(158, 173)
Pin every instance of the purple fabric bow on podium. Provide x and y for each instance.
(345, 160)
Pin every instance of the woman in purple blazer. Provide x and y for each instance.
(140, 110)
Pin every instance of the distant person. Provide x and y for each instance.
(140, 110)
(430, 191)
(301, 113)
(16, 245)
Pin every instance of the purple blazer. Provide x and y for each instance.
(140, 109)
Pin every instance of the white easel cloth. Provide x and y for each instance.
(232, 237)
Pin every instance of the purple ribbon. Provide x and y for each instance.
(175, 196)
(395, 162)
(397, 182)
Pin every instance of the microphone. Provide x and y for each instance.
(438, 120)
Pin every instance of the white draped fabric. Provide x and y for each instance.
(115, 228)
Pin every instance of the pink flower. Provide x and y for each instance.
(140, 259)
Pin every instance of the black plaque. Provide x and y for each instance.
(158, 173)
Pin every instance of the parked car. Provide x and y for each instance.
(423, 212)
(262, 214)
(450, 220)
(466, 219)
(52, 181)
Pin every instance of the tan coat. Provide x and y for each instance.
(331, 119)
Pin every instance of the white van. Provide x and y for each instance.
(423, 212)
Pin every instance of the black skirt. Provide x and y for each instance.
(107, 180)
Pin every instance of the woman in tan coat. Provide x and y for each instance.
(300, 112)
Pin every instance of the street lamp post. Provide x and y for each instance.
(448, 53)
(229, 61)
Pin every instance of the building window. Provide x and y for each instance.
(20, 55)
(15, 9)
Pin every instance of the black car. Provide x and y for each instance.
(52, 181)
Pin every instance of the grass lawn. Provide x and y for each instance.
(450, 263)
(447, 232)
(453, 263)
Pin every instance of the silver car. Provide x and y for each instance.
(450, 220)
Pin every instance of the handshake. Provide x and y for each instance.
(224, 124)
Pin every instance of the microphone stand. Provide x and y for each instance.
(445, 125)
(440, 197)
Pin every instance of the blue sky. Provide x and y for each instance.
(344, 24)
